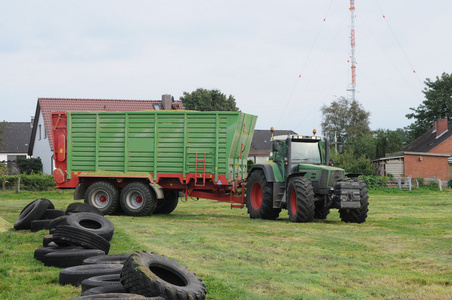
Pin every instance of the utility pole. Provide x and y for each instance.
(352, 43)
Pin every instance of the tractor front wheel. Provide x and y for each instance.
(301, 205)
(259, 197)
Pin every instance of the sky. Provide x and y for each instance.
(281, 60)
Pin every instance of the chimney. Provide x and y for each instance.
(32, 121)
(441, 126)
(166, 102)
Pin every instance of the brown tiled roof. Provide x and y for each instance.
(428, 141)
(48, 105)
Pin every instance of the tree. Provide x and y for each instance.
(438, 104)
(208, 100)
(388, 141)
(345, 118)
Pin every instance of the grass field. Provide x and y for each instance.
(403, 251)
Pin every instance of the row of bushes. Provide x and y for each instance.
(31, 182)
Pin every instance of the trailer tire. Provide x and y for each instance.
(138, 200)
(33, 211)
(103, 196)
(301, 207)
(92, 222)
(259, 197)
(167, 204)
(357, 215)
(151, 275)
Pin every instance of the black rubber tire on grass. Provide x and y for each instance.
(300, 193)
(80, 207)
(103, 196)
(116, 296)
(41, 252)
(102, 280)
(75, 275)
(33, 211)
(107, 259)
(259, 197)
(137, 199)
(321, 213)
(65, 234)
(57, 222)
(92, 222)
(168, 204)
(45, 200)
(357, 215)
(51, 214)
(112, 288)
(37, 225)
(151, 275)
(64, 258)
(47, 239)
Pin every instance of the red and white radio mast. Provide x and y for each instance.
(352, 43)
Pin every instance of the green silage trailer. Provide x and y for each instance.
(141, 161)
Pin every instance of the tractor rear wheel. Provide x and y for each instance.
(103, 196)
(259, 197)
(301, 205)
(357, 215)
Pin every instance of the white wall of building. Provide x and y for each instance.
(41, 147)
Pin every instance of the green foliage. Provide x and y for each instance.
(438, 104)
(208, 100)
(249, 163)
(3, 168)
(388, 141)
(29, 165)
(362, 146)
(351, 164)
(31, 182)
(375, 182)
(345, 118)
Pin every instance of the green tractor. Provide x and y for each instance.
(299, 178)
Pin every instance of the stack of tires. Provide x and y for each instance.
(141, 274)
(37, 215)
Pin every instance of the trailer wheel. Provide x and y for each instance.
(167, 204)
(357, 215)
(301, 206)
(103, 196)
(259, 197)
(138, 200)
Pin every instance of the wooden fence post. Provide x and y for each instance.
(18, 185)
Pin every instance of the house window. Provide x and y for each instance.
(39, 129)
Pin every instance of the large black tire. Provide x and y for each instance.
(65, 234)
(102, 280)
(57, 222)
(51, 214)
(138, 200)
(300, 193)
(357, 215)
(151, 275)
(107, 259)
(103, 196)
(33, 211)
(116, 296)
(78, 207)
(92, 222)
(64, 258)
(45, 200)
(75, 275)
(41, 252)
(259, 197)
(107, 289)
(167, 204)
(321, 212)
(37, 225)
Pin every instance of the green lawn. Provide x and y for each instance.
(403, 251)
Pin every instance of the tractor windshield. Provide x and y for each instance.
(303, 152)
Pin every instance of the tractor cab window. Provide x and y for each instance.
(303, 152)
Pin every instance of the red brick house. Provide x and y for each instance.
(428, 156)
(41, 144)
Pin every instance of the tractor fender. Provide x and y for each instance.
(266, 168)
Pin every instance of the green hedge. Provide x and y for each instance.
(30, 182)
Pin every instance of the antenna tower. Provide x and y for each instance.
(352, 43)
